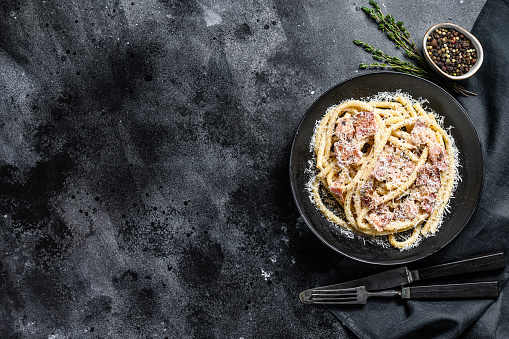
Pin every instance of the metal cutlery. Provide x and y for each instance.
(402, 276)
(359, 295)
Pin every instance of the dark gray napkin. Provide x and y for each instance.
(487, 231)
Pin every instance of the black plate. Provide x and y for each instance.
(471, 169)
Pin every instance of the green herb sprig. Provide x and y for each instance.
(396, 32)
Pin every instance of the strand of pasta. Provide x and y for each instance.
(402, 135)
(388, 112)
(387, 104)
(418, 108)
(407, 105)
(323, 173)
(400, 226)
(328, 214)
(409, 241)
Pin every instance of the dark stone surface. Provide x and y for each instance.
(144, 186)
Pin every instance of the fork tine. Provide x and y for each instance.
(350, 300)
(353, 296)
(341, 292)
(332, 296)
(333, 300)
(338, 290)
(336, 302)
(335, 292)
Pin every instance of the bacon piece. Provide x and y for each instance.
(369, 197)
(337, 188)
(425, 197)
(439, 156)
(344, 129)
(421, 134)
(407, 210)
(365, 125)
(428, 203)
(383, 165)
(380, 217)
(347, 152)
(426, 186)
(380, 171)
(428, 176)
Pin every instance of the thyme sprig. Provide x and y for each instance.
(387, 61)
(397, 33)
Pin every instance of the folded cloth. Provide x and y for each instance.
(487, 230)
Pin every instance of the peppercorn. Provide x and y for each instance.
(451, 51)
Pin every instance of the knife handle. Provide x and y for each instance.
(487, 289)
(478, 263)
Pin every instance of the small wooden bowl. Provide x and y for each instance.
(475, 43)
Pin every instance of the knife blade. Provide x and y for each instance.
(403, 276)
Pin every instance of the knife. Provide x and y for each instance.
(402, 275)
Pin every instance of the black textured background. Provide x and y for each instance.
(144, 151)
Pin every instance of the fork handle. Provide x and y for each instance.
(487, 289)
(485, 262)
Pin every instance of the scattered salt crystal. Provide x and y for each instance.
(266, 275)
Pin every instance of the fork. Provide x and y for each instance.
(359, 295)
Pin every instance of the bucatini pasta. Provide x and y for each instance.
(388, 166)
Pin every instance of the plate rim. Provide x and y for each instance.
(394, 261)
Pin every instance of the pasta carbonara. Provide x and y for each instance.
(383, 168)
